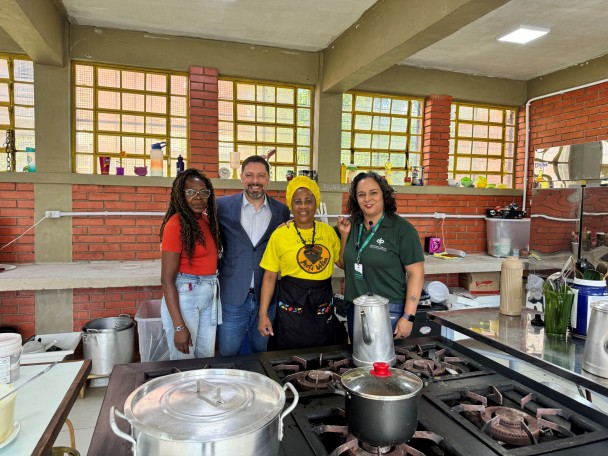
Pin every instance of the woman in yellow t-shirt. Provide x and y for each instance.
(303, 253)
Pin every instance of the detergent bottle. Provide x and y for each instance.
(156, 159)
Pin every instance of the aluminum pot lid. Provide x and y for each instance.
(109, 324)
(205, 405)
(381, 382)
(370, 300)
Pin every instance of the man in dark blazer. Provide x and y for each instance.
(246, 220)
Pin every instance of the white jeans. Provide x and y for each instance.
(199, 304)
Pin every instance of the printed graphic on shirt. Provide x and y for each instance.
(313, 259)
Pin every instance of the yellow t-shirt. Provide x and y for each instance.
(286, 254)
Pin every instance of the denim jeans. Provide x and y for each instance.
(395, 311)
(198, 304)
(239, 322)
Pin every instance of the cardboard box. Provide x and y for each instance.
(480, 282)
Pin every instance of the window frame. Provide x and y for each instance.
(504, 141)
(278, 166)
(170, 154)
(402, 161)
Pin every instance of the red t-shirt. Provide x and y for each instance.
(204, 260)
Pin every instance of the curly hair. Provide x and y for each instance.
(190, 232)
(390, 204)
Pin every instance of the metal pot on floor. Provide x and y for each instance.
(207, 412)
(108, 341)
(381, 404)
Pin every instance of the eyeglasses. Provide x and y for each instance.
(204, 193)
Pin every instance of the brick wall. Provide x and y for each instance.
(117, 237)
(435, 150)
(204, 120)
(16, 216)
(571, 118)
(17, 309)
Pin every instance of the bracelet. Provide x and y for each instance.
(179, 328)
(409, 317)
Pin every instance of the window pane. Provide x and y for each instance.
(245, 112)
(285, 95)
(363, 122)
(84, 98)
(24, 117)
(108, 122)
(179, 85)
(304, 98)
(108, 100)
(24, 94)
(156, 82)
(285, 135)
(179, 127)
(179, 106)
(303, 117)
(4, 97)
(84, 75)
(381, 123)
(266, 114)
(132, 123)
(245, 92)
(265, 94)
(345, 142)
(245, 132)
(156, 125)
(107, 77)
(156, 104)
(133, 80)
(225, 111)
(23, 70)
(4, 68)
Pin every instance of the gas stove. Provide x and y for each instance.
(469, 404)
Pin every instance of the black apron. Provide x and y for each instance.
(305, 314)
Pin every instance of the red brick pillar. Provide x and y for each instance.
(435, 145)
(520, 154)
(203, 120)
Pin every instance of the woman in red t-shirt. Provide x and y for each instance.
(191, 308)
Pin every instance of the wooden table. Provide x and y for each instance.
(43, 405)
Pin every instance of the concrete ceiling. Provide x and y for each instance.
(579, 30)
(357, 39)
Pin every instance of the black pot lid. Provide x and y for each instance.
(381, 382)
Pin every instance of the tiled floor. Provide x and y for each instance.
(83, 416)
(85, 412)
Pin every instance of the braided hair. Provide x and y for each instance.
(190, 231)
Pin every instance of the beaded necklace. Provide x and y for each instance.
(307, 247)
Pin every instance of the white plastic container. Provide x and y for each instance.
(66, 341)
(506, 237)
(10, 357)
(152, 339)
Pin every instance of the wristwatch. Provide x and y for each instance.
(180, 328)
(409, 317)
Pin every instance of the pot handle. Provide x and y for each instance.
(86, 337)
(334, 388)
(118, 432)
(367, 335)
(296, 397)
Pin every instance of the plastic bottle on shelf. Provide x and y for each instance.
(343, 174)
(180, 165)
(511, 286)
(156, 159)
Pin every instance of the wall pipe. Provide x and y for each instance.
(527, 140)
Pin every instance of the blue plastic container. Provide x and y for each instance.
(587, 292)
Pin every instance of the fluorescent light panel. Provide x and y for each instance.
(524, 34)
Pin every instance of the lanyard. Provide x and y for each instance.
(358, 245)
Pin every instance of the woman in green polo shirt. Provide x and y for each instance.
(380, 248)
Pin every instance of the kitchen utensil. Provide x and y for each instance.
(381, 404)
(372, 331)
(108, 341)
(595, 355)
(206, 412)
(17, 388)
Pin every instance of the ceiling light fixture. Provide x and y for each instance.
(524, 34)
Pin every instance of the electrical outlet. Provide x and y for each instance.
(52, 214)
(439, 215)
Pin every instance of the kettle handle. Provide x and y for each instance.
(118, 432)
(367, 335)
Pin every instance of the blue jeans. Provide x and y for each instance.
(239, 322)
(198, 304)
(395, 311)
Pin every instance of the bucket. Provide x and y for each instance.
(7, 412)
(586, 292)
(108, 341)
(10, 356)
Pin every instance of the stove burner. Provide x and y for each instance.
(510, 425)
(425, 366)
(312, 380)
(353, 447)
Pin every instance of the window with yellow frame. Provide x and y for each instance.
(17, 121)
(257, 118)
(482, 144)
(120, 112)
(381, 132)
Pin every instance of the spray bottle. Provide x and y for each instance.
(156, 159)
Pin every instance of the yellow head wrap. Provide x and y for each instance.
(302, 182)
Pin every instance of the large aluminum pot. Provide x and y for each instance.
(108, 341)
(595, 355)
(381, 404)
(207, 412)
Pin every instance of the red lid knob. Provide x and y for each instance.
(381, 369)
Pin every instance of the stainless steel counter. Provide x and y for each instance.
(561, 355)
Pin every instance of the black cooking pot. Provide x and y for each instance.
(381, 404)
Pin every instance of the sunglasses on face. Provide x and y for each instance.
(204, 193)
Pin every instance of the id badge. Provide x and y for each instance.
(358, 271)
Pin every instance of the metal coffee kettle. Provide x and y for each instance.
(373, 333)
(595, 355)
